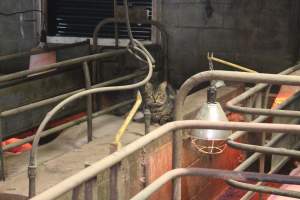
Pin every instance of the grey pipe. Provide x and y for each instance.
(70, 62)
(38, 51)
(67, 125)
(89, 103)
(33, 154)
(199, 78)
(109, 161)
(232, 105)
(220, 174)
(157, 24)
(63, 96)
(274, 170)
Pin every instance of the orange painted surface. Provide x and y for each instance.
(27, 146)
(285, 92)
(160, 162)
(17, 150)
(39, 60)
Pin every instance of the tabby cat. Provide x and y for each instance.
(159, 98)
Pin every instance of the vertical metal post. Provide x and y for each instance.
(116, 25)
(88, 187)
(89, 102)
(147, 118)
(2, 174)
(144, 163)
(259, 104)
(75, 193)
(113, 177)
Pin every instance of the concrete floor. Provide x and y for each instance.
(67, 154)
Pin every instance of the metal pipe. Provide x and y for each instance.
(128, 25)
(33, 154)
(264, 150)
(147, 120)
(219, 174)
(65, 63)
(266, 147)
(2, 174)
(89, 102)
(38, 51)
(232, 104)
(63, 96)
(66, 125)
(275, 169)
(265, 189)
(157, 24)
(109, 161)
(199, 78)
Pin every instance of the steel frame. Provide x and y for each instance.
(110, 161)
(176, 126)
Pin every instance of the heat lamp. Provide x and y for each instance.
(206, 140)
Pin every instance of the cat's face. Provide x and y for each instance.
(157, 95)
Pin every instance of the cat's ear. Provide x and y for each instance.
(163, 85)
(149, 88)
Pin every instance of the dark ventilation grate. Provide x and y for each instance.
(78, 18)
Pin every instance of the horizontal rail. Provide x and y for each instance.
(63, 96)
(109, 161)
(274, 170)
(219, 174)
(66, 125)
(196, 80)
(232, 105)
(34, 151)
(65, 63)
(38, 51)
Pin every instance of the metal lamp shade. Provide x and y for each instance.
(211, 112)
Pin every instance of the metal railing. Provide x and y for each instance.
(199, 78)
(115, 158)
(33, 154)
(110, 161)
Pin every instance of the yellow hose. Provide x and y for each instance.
(211, 57)
(128, 119)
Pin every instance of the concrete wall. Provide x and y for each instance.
(16, 31)
(257, 33)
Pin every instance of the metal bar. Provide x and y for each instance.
(63, 96)
(2, 172)
(262, 159)
(33, 153)
(75, 193)
(70, 62)
(116, 26)
(275, 169)
(232, 104)
(199, 78)
(113, 177)
(66, 125)
(264, 150)
(89, 102)
(147, 120)
(219, 174)
(265, 189)
(157, 24)
(88, 187)
(109, 161)
(38, 51)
